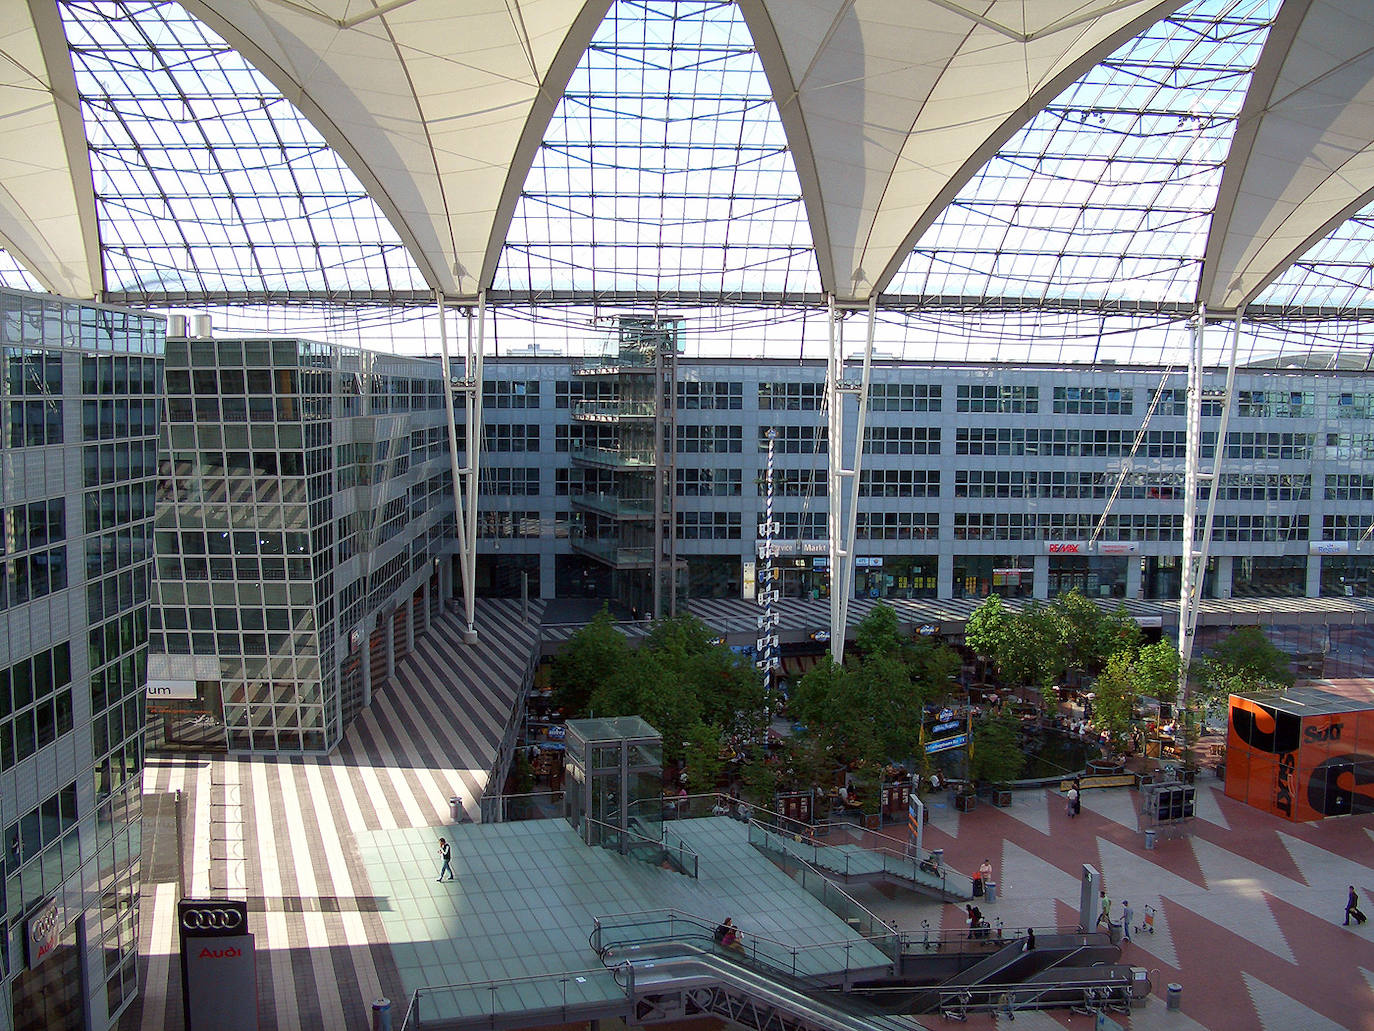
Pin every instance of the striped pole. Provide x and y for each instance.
(766, 647)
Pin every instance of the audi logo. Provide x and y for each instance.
(211, 919)
(43, 926)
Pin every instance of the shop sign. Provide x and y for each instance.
(820, 636)
(792, 547)
(1066, 548)
(42, 931)
(940, 728)
(1012, 571)
(1118, 547)
(945, 743)
(171, 689)
(868, 562)
(926, 629)
(1329, 547)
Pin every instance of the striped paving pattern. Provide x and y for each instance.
(282, 832)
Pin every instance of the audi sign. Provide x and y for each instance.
(219, 979)
(218, 920)
(42, 932)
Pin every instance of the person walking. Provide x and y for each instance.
(446, 855)
(1126, 915)
(1104, 915)
(1352, 908)
(1073, 801)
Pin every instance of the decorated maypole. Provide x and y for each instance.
(766, 647)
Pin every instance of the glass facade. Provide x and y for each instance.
(304, 487)
(80, 403)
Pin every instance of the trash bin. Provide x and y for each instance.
(1174, 997)
(455, 809)
(989, 891)
(381, 1015)
(1150, 838)
(1114, 931)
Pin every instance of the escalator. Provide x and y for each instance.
(682, 981)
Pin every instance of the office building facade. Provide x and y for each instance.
(305, 505)
(79, 412)
(976, 479)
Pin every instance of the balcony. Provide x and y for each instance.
(612, 411)
(627, 359)
(616, 508)
(612, 552)
(613, 458)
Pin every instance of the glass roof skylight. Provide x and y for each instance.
(665, 169)
(206, 179)
(1107, 194)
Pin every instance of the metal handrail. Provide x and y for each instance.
(950, 881)
(761, 949)
(413, 1018)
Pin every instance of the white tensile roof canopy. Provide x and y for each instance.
(890, 108)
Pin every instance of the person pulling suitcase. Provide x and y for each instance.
(1352, 908)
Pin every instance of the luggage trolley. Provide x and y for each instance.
(1147, 920)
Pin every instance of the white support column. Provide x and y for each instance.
(474, 435)
(465, 477)
(465, 557)
(1195, 552)
(844, 521)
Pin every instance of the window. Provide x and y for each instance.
(904, 397)
(791, 397)
(993, 398)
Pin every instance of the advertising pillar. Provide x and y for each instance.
(219, 980)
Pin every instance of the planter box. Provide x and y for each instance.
(965, 803)
(1001, 798)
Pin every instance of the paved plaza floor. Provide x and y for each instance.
(336, 859)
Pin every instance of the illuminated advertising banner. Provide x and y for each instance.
(1299, 765)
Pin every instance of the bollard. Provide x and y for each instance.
(1175, 996)
(381, 1015)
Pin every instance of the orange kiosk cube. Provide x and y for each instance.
(1305, 753)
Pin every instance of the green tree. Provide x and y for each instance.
(934, 670)
(1079, 624)
(594, 653)
(1156, 671)
(988, 628)
(1115, 693)
(997, 754)
(1247, 656)
(1032, 651)
(878, 633)
(702, 753)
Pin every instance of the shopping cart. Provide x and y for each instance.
(1147, 920)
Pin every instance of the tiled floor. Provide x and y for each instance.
(337, 858)
(527, 895)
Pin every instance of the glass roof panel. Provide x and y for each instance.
(14, 276)
(206, 178)
(1334, 273)
(1107, 194)
(664, 168)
